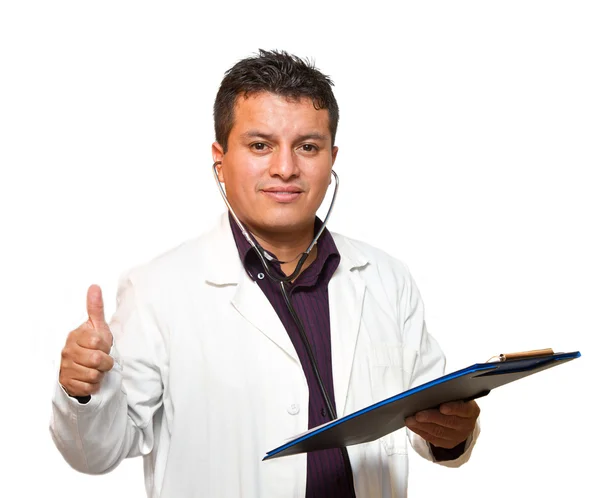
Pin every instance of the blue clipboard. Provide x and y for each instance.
(379, 419)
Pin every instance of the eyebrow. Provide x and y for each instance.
(269, 136)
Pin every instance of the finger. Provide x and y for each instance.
(434, 430)
(427, 415)
(73, 371)
(440, 443)
(78, 388)
(464, 409)
(90, 358)
(435, 417)
(94, 339)
(439, 432)
(95, 307)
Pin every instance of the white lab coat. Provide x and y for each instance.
(206, 379)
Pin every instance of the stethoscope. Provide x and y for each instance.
(264, 257)
(262, 254)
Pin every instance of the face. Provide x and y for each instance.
(278, 164)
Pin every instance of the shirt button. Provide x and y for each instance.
(261, 276)
(293, 409)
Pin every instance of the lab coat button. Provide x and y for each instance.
(293, 409)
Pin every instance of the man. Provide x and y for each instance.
(209, 368)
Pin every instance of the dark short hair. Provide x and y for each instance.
(275, 72)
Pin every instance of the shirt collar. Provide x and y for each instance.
(327, 256)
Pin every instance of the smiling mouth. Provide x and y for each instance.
(282, 196)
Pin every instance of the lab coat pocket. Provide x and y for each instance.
(391, 367)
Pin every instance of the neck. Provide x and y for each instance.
(288, 247)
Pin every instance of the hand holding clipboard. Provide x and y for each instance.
(389, 415)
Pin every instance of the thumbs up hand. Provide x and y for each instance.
(85, 356)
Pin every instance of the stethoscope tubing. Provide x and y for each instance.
(263, 257)
(262, 254)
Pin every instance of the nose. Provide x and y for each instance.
(284, 164)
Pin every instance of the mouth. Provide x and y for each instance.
(282, 195)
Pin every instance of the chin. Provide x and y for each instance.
(286, 222)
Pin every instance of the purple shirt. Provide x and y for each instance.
(326, 472)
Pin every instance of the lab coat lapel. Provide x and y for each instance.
(226, 269)
(346, 297)
(254, 306)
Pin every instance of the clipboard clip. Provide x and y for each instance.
(521, 355)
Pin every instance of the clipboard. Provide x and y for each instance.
(379, 419)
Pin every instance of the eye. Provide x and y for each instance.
(309, 148)
(258, 146)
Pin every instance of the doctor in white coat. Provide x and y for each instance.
(197, 372)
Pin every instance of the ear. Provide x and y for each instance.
(334, 152)
(218, 154)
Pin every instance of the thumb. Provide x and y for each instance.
(95, 307)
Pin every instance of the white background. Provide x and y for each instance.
(469, 148)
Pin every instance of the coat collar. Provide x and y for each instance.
(225, 266)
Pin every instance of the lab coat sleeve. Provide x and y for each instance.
(117, 422)
(430, 364)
